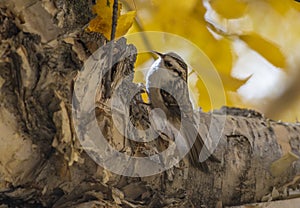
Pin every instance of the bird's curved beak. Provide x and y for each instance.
(157, 53)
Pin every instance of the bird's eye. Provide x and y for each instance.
(177, 72)
(168, 64)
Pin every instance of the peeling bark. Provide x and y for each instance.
(42, 163)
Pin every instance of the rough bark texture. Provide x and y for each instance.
(43, 47)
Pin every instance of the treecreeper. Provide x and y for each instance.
(166, 85)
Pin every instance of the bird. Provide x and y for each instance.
(166, 86)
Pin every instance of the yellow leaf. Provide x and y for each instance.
(125, 21)
(202, 96)
(230, 8)
(220, 53)
(295, 4)
(234, 99)
(185, 6)
(145, 97)
(102, 23)
(139, 74)
(205, 95)
(266, 48)
(231, 83)
(280, 6)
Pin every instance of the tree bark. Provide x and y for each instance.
(44, 49)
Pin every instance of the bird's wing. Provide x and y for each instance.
(196, 145)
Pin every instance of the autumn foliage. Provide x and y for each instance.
(226, 32)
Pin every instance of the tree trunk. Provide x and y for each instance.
(49, 153)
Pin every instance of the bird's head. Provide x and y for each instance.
(173, 62)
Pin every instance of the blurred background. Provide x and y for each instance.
(252, 45)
